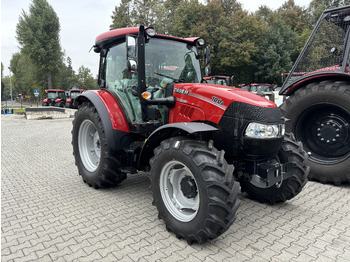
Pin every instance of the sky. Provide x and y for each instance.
(81, 22)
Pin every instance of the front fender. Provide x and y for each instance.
(167, 131)
(113, 120)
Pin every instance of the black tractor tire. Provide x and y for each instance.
(193, 189)
(68, 105)
(291, 151)
(59, 104)
(320, 118)
(95, 160)
(45, 104)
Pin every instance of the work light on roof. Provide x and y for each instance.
(200, 42)
(150, 32)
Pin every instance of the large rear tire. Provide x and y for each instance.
(193, 189)
(320, 118)
(94, 158)
(291, 151)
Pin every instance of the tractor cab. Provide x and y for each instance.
(141, 68)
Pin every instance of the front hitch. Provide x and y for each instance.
(270, 173)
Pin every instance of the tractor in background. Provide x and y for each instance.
(318, 104)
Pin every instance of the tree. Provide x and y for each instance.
(144, 12)
(2, 84)
(237, 53)
(122, 15)
(38, 36)
(85, 79)
(264, 12)
(276, 52)
(68, 76)
(293, 16)
(186, 18)
(24, 71)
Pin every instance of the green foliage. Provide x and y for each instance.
(85, 79)
(276, 51)
(122, 15)
(24, 78)
(38, 36)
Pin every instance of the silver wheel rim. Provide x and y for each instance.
(180, 206)
(89, 145)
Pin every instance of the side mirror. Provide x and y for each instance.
(207, 70)
(131, 46)
(207, 55)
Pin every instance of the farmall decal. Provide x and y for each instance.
(217, 100)
(181, 91)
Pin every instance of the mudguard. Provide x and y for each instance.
(112, 117)
(167, 131)
(316, 77)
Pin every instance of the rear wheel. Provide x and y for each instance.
(193, 189)
(320, 118)
(93, 157)
(291, 151)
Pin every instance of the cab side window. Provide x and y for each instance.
(120, 80)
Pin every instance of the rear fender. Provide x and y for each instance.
(112, 117)
(336, 76)
(167, 131)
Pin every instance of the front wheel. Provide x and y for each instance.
(291, 151)
(193, 189)
(320, 118)
(94, 158)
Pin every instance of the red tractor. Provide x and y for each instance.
(219, 80)
(318, 107)
(55, 97)
(153, 113)
(71, 102)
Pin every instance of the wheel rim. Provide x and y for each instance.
(89, 145)
(325, 133)
(179, 191)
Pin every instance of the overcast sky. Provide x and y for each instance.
(81, 21)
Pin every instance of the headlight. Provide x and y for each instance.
(257, 130)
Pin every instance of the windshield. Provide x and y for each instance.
(168, 60)
(261, 88)
(74, 94)
(51, 95)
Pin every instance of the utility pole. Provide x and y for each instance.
(11, 91)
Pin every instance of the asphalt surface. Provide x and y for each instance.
(49, 214)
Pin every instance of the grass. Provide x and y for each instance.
(18, 111)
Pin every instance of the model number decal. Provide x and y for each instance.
(181, 91)
(217, 100)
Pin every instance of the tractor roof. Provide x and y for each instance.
(210, 77)
(54, 90)
(120, 33)
(77, 90)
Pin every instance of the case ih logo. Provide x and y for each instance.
(217, 100)
(181, 91)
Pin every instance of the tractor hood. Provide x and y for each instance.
(211, 101)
